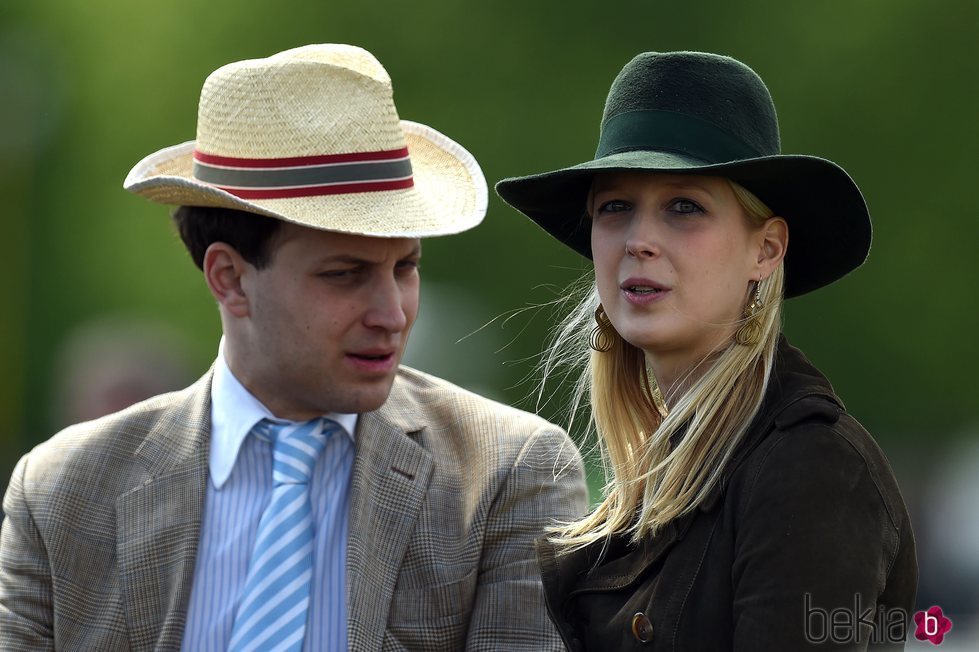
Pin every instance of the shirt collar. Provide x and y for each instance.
(234, 412)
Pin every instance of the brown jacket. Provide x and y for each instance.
(808, 519)
(449, 491)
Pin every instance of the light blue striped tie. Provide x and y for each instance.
(271, 613)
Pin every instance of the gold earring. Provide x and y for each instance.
(749, 332)
(602, 336)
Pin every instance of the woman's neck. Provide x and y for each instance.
(675, 374)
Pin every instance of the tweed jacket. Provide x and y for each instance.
(805, 541)
(449, 491)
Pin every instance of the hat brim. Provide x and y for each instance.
(449, 194)
(829, 224)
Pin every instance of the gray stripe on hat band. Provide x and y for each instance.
(302, 176)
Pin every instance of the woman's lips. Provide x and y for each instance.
(642, 291)
(642, 297)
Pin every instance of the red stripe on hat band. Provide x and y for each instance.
(314, 191)
(300, 161)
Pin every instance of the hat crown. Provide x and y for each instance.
(720, 98)
(309, 101)
(338, 54)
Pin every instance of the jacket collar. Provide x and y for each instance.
(159, 520)
(392, 470)
(567, 575)
(796, 391)
(234, 413)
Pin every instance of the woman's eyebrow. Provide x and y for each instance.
(683, 185)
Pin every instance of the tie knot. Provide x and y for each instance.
(296, 447)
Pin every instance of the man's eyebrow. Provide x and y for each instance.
(351, 259)
(345, 258)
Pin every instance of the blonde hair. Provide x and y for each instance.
(651, 478)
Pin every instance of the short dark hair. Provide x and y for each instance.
(250, 234)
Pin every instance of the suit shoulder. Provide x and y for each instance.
(464, 430)
(117, 430)
(90, 448)
(447, 402)
(460, 422)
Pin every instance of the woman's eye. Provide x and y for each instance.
(685, 206)
(614, 206)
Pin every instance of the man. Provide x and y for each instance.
(307, 491)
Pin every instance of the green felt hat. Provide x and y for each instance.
(700, 113)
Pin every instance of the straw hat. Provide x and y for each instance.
(311, 135)
(701, 113)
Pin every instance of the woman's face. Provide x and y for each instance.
(674, 257)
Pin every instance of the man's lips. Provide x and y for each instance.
(373, 360)
(372, 354)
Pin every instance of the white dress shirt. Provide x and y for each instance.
(239, 489)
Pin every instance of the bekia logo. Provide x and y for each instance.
(932, 625)
(873, 624)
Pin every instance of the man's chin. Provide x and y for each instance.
(366, 398)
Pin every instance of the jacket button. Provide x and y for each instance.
(642, 629)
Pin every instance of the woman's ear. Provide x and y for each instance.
(223, 269)
(773, 243)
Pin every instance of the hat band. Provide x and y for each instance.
(670, 131)
(305, 176)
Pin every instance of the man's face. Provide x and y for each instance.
(328, 320)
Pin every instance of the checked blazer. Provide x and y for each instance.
(449, 492)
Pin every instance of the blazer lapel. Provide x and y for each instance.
(390, 479)
(159, 521)
(623, 571)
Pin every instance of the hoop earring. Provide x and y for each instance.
(749, 333)
(603, 335)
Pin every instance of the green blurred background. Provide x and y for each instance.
(887, 88)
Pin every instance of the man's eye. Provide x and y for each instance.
(685, 206)
(337, 273)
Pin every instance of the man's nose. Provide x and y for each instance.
(386, 309)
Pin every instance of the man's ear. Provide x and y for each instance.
(223, 269)
(774, 242)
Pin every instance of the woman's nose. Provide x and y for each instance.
(642, 241)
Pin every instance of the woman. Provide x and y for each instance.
(745, 509)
